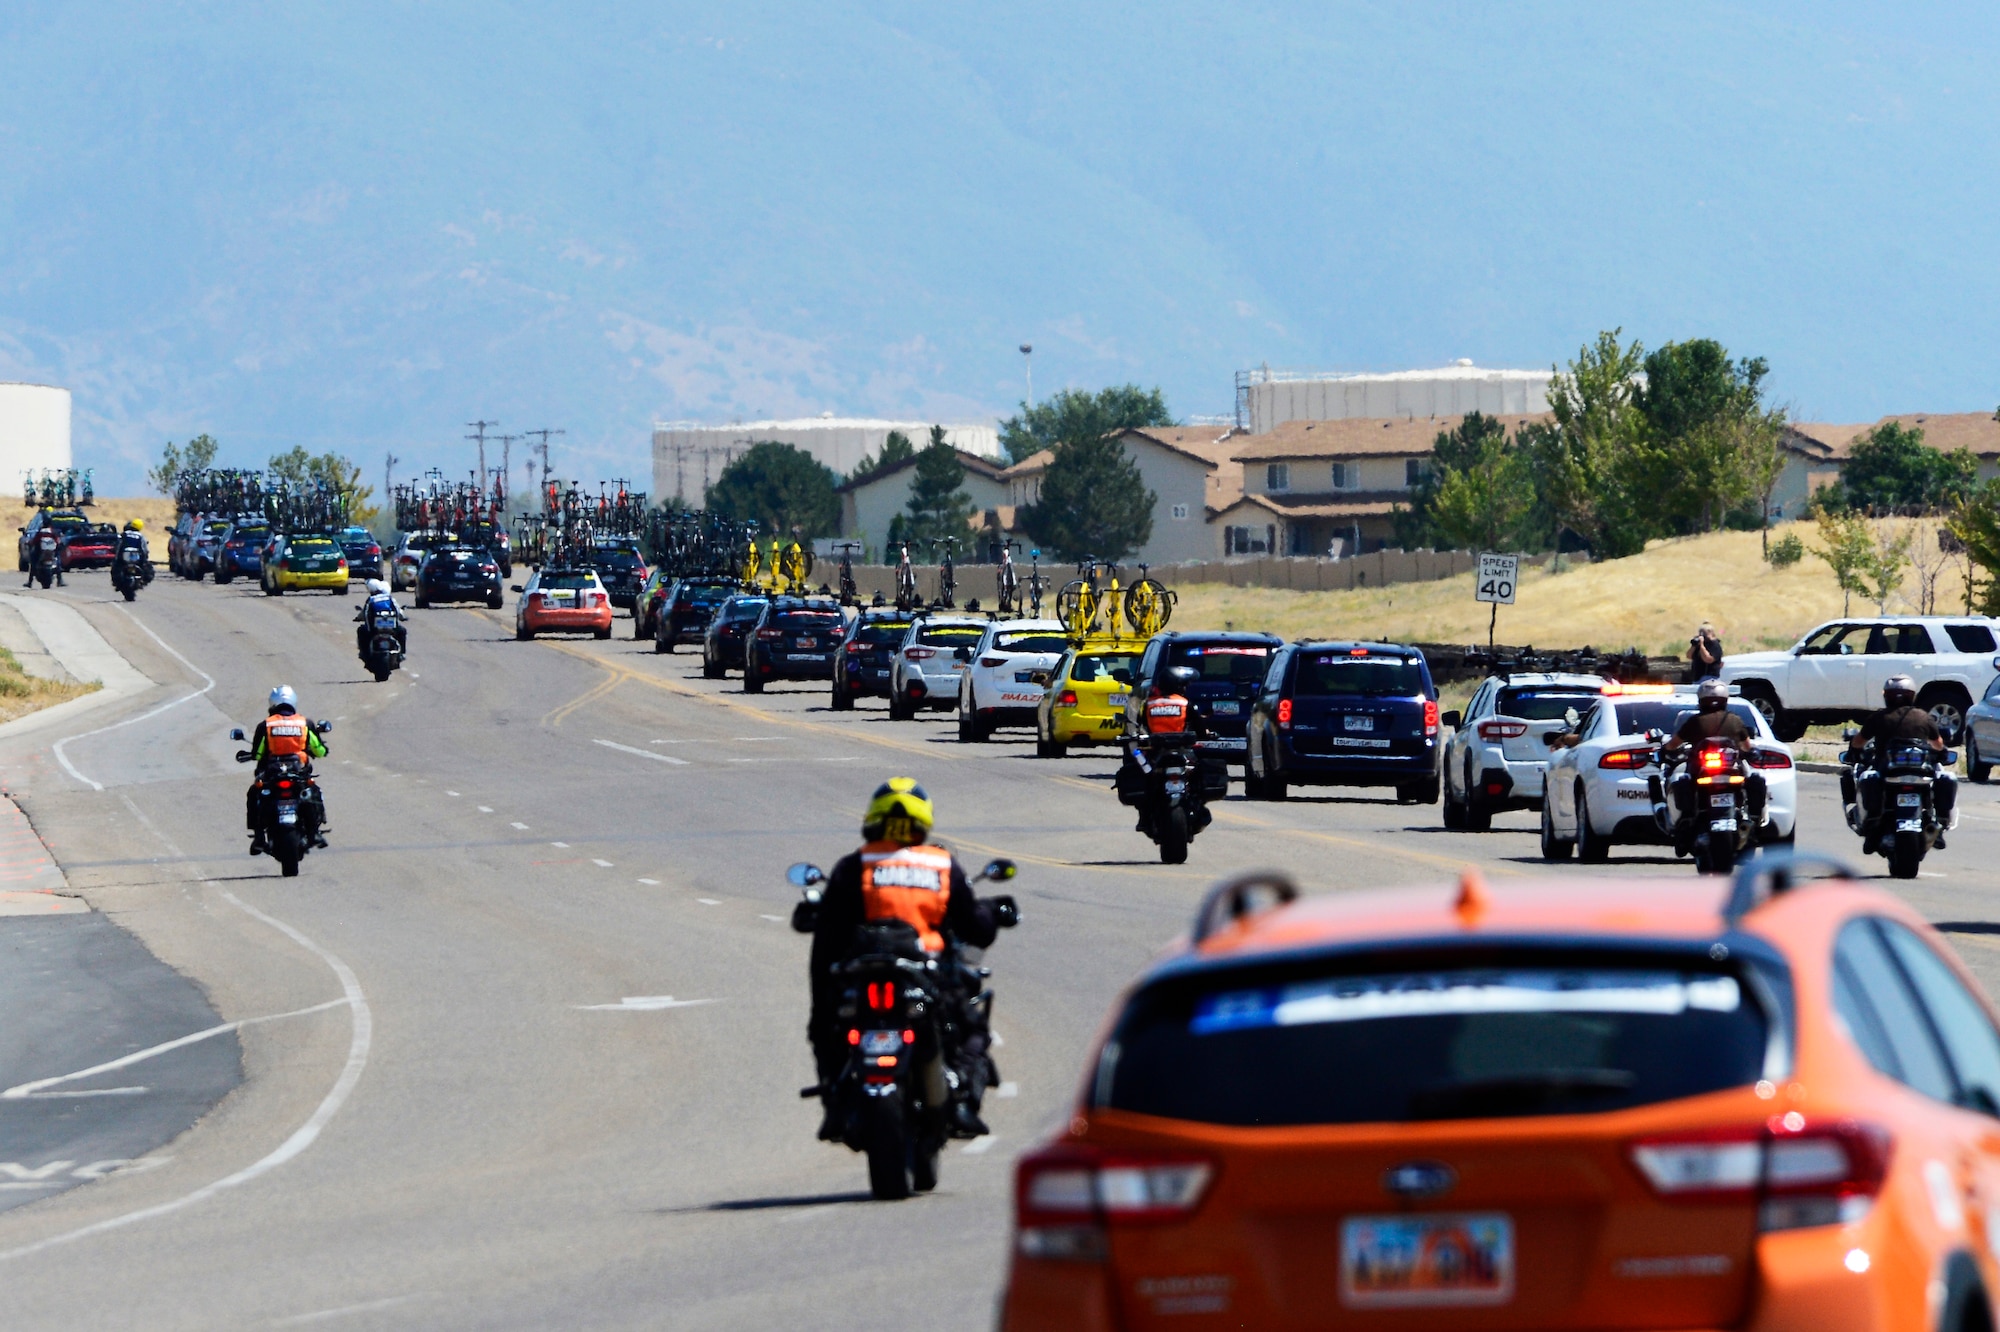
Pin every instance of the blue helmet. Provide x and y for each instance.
(283, 697)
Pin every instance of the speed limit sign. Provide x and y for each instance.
(1497, 576)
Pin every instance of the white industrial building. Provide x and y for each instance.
(34, 432)
(687, 455)
(1267, 398)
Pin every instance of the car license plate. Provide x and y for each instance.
(1227, 707)
(1722, 825)
(1465, 1258)
(1910, 801)
(1909, 825)
(805, 656)
(1721, 801)
(808, 642)
(288, 811)
(881, 1042)
(1358, 723)
(1119, 700)
(562, 596)
(880, 675)
(1355, 742)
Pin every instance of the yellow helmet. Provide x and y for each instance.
(137, 524)
(899, 811)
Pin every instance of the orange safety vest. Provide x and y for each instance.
(907, 883)
(284, 735)
(1167, 714)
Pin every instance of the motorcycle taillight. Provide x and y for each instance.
(284, 786)
(1716, 760)
(881, 995)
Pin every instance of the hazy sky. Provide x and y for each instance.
(360, 225)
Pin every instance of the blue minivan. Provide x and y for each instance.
(1345, 714)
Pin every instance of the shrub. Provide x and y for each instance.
(1786, 551)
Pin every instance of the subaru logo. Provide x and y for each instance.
(1419, 1179)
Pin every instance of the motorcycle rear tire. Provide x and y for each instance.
(924, 1168)
(287, 849)
(1906, 853)
(381, 674)
(45, 578)
(131, 593)
(888, 1139)
(1174, 837)
(1720, 857)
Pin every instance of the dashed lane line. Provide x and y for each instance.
(643, 753)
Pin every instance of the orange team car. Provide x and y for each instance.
(1585, 1104)
(563, 601)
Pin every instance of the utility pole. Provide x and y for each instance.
(1028, 355)
(480, 437)
(506, 473)
(543, 449)
(389, 461)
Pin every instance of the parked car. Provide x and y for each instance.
(1835, 673)
(1345, 714)
(1229, 668)
(460, 573)
(1497, 752)
(563, 601)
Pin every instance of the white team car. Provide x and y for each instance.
(1598, 791)
(924, 671)
(1009, 673)
(1495, 757)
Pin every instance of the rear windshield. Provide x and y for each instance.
(1541, 704)
(250, 534)
(1090, 666)
(746, 610)
(881, 631)
(616, 559)
(567, 580)
(1325, 673)
(311, 546)
(954, 634)
(1222, 661)
(807, 621)
(69, 521)
(1639, 718)
(1039, 641)
(703, 596)
(1399, 1046)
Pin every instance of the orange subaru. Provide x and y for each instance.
(1573, 1105)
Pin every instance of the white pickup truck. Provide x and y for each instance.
(1835, 673)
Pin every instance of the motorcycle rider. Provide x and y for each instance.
(50, 548)
(1711, 720)
(1167, 712)
(134, 538)
(282, 733)
(380, 599)
(896, 875)
(1899, 719)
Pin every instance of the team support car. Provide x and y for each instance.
(863, 668)
(796, 638)
(563, 601)
(1598, 787)
(722, 644)
(487, 535)
(1344, 714)
(1009, 673)
(241, 553)
(1602, 1104)
(1229, 667)
(646, 606)
(363, 551)
(687, 608)
(70, 525)
(199, 559)
(460, 573)
(1086, 697)
(621, 567)
(303, 563)
(180, 539)
(924, 670)
(411, 551)
(1495, 756)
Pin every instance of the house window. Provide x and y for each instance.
(1340, 476)
(1249, 540)
(1414, 470)
(1180, 510)
(1299, 542)
(1278, 476)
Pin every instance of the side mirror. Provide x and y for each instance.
(323, 727)
(803, 875)
(1453, 719)
(1570, 719)
(1039, 677)
(1850, 733)
(999, 871)
(1006, 911)
(1550, 739)
(1948, 758)
(237, 734)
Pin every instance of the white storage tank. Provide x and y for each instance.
(1268, 398)
(34, 432)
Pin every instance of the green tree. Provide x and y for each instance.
(1892, 470)
(1093, 501)
(1848, 549)
(780, 487)
(937, 507)
(1073, 414)
(1701, 412)
(1579, 461)
(197, 456)
(1975, 522)
(895, 448)
(304, 470)
(1479, 492)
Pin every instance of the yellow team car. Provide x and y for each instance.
(301, 562)
(1085, 700)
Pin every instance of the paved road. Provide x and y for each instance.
(453, 1117)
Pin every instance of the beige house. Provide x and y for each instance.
(1187, 469)
(1815, 451)
(870, 504)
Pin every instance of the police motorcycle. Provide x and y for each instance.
(290, 809)
(130, 570)
(45, 559)
(1902, 779)
(905, 1013)
(382, 636)
(1708, 803)
(1165, 778)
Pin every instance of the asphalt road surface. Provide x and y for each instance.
(523, 1048)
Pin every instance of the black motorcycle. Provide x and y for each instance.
(1166, 778)
(382, 634)
(45, 560)
(1913, 800)
(130, 572)
(290, 811)
(1711, 805)
(907, 1014)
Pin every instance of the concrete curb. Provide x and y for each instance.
(82, 652)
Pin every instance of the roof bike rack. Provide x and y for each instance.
(1231, 900)
(1777, 872)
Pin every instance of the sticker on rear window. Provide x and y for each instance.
(1373, 998)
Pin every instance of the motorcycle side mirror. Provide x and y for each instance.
(804, 875)
(1006, 911)
(323, 727)
(244, 756)
(999, 871)
(1948, 758)
(515, 587)
(1453, 719)
(1850, 733)
(1655, 735)
(237, 734)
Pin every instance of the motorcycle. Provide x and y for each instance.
(1909, 821)
(1167, 780)
(907, 1014)
(1710, 805)
(384, 653)
(129, 573)
(290, 810)
(45, 562)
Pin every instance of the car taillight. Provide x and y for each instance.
(1284, 712)
(1770, 758)
(1067, 699)
(1502, 730)
(1065, 1197)
(1715, 761)
(375, 552)
(1801, 1172)
(919, 653)
(854, 647)
(770, 634)
(991, 662)
(1430, 716)
(1626, 759)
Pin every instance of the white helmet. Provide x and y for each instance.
(377, 588)
(283, 697)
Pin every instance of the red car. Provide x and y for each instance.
(563, 601)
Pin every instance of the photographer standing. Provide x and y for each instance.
(1704, 654)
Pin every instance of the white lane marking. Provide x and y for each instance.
(415, 676)
(762, 916)
(563, 845)
(21, 1091)
(57, 748)
(709, 901)
(1931, 874)
(486, 809)
(851, 758)
(642, 753)
(1007, 1089)
(360, 1016)
(654, 882)
(977, 1146)
(519, 826)
(322, 1315)
(452, 794)
(604, 863)
(644, 1003)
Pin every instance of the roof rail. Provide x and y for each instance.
(1780, 872)
(1230, 900)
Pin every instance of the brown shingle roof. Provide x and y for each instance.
(1945, 431)
(1357, 437)
(975, 464)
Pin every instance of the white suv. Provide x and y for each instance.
(1496, 756)
(1008, 675)
(1836, 672)
(924, 672)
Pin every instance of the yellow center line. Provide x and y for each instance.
(561, 714)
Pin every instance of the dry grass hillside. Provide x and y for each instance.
(1652, 600)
